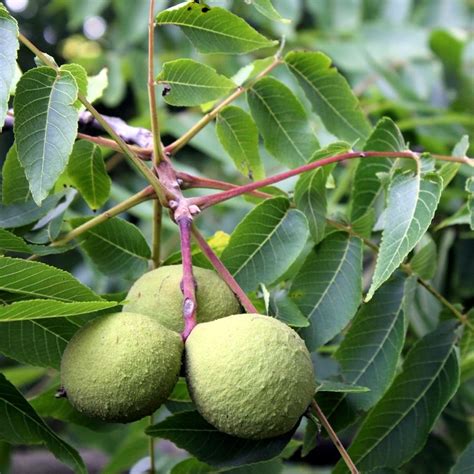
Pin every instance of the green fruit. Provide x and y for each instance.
(121, 367)
(249, 375)
(157, 293)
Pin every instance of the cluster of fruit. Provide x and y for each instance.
(249, 375)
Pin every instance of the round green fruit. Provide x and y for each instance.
(249, 375)
(158, 294)
(121, 367)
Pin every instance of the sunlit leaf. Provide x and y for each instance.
(45, 126)
(213, 29)
(330, 95)
(15, 186)
(412, 202)
(192, 83)
(8, 47)
(10, 242)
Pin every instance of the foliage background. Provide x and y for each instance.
(410, 60)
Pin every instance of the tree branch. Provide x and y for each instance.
(210, 200)
(334, 438)
(223, 272)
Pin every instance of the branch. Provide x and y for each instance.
(210, 200)
(210, 116)
(188, 283)
(223, 272)
(334, 438)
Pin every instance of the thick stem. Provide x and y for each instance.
(132, 201)
(155, 125)
(188, 283)
(223, 272)
(206, 201)
(334, 438)
(210, 116)
(134, 159)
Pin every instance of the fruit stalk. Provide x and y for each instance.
(188, 283)
(223, 272)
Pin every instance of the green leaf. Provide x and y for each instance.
(86, 170)
(23, 213)
(470, 200)
(328, 287)
(265, 243)
(116, 246)
(80, 75)
(465, 463)
(369, 354)
(21, 375)
(310, 440)
(285, 309)
(367, 186)
(310, 191)
(192, 83)
(282, 121)
(330, 95)
(41, 309)
(97, 85)
(266, 8)
(213, 447)
(193, 466)
(15, 186)
(21, 424)
(448, 170)
(425, 261)
(49, 406)
(334, 386)
(418, 395)
(8, 46)
(36, 280)
(238, 135)
(45, 126)
(213, 29)
(411, 204)
(12, 243)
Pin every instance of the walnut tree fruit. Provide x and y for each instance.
(121, 367)
(157, 293)
(249, 375)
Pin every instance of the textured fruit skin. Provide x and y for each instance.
(249, 375)
(157, 293)
(121, 367)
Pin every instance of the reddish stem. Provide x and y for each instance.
(210, 200)
(223, 272)
(188, 283)
(198, 182)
